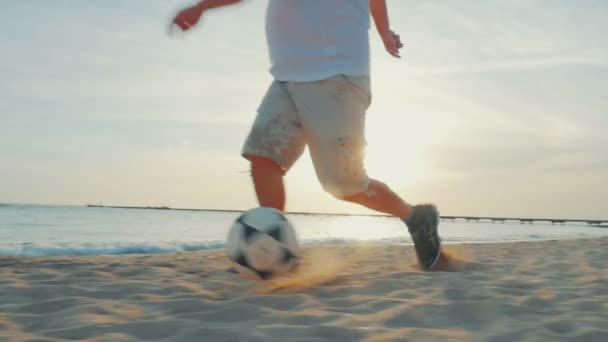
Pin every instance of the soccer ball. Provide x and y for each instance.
(262, 243)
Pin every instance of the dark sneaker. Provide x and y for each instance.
(423, 228)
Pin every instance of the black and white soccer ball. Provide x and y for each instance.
(262, 243)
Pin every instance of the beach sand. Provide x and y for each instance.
(525, 291)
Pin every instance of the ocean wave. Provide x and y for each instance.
(120, 248)
(74, 249)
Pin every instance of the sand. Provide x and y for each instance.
(525, 291)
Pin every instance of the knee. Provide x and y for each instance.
(343, 188)
(262, 164)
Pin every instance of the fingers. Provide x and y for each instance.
(392, 49)
(182, 23)
(399, 44)
(397, 40)
(186, 19)
(395, 45)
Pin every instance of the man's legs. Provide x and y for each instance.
(380, 197)
(332, 113)
(421, 220)
(277, 140)
(274, 144)
(270, 191)
(268, 183)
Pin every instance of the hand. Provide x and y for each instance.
(188, 17)
(392, 43)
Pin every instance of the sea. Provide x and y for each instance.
(53, 230)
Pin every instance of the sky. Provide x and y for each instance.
(497, 108)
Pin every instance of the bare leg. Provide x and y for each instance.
(381, 198)
(268, 182)
(421, 223)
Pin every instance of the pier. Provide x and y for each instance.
(476, 219)
(596, 223)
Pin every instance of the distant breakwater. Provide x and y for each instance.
(479, 219)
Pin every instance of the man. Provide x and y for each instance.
(320, 60)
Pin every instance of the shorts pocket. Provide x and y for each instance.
(360, 85)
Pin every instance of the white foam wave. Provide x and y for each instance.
(121, 248)
(73, 249)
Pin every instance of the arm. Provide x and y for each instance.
(209, 4)
(188, 17)
(380, 15)
(391, 41)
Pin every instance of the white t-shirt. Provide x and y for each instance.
(310, 40)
